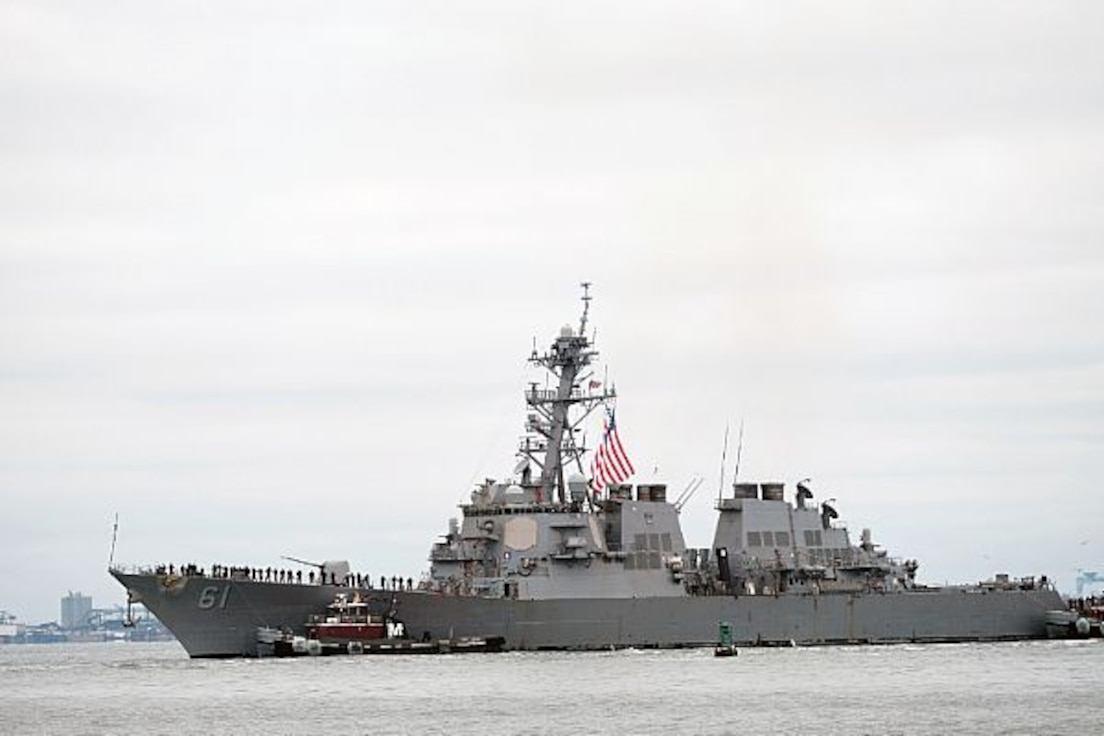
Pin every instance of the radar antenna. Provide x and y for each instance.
(552, 429)
(803, 492)
(586, 306)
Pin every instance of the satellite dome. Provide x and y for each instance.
(566, 331)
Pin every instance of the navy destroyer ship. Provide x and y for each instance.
(566, 555)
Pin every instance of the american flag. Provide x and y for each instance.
(610, 465)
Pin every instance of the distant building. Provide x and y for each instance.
(75, 609)
(10, 629)
(82, 623)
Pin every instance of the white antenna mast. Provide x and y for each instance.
(724, 455)
(739, 451)
(586, 307)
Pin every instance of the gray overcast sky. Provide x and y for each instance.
(269, 271)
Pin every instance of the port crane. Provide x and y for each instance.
(1087, 577)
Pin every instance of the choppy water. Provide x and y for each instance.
(1021, 688)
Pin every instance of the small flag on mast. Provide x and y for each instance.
(610, 465)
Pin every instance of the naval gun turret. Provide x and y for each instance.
(335, 570)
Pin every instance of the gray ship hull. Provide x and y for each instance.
(215, 617)
(219, 617)
(944, 615)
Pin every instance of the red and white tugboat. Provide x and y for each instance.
(348, 627)
(347, 624)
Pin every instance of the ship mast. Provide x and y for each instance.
(554, 430)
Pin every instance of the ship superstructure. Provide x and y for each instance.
(547, 533)
(553, 534)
